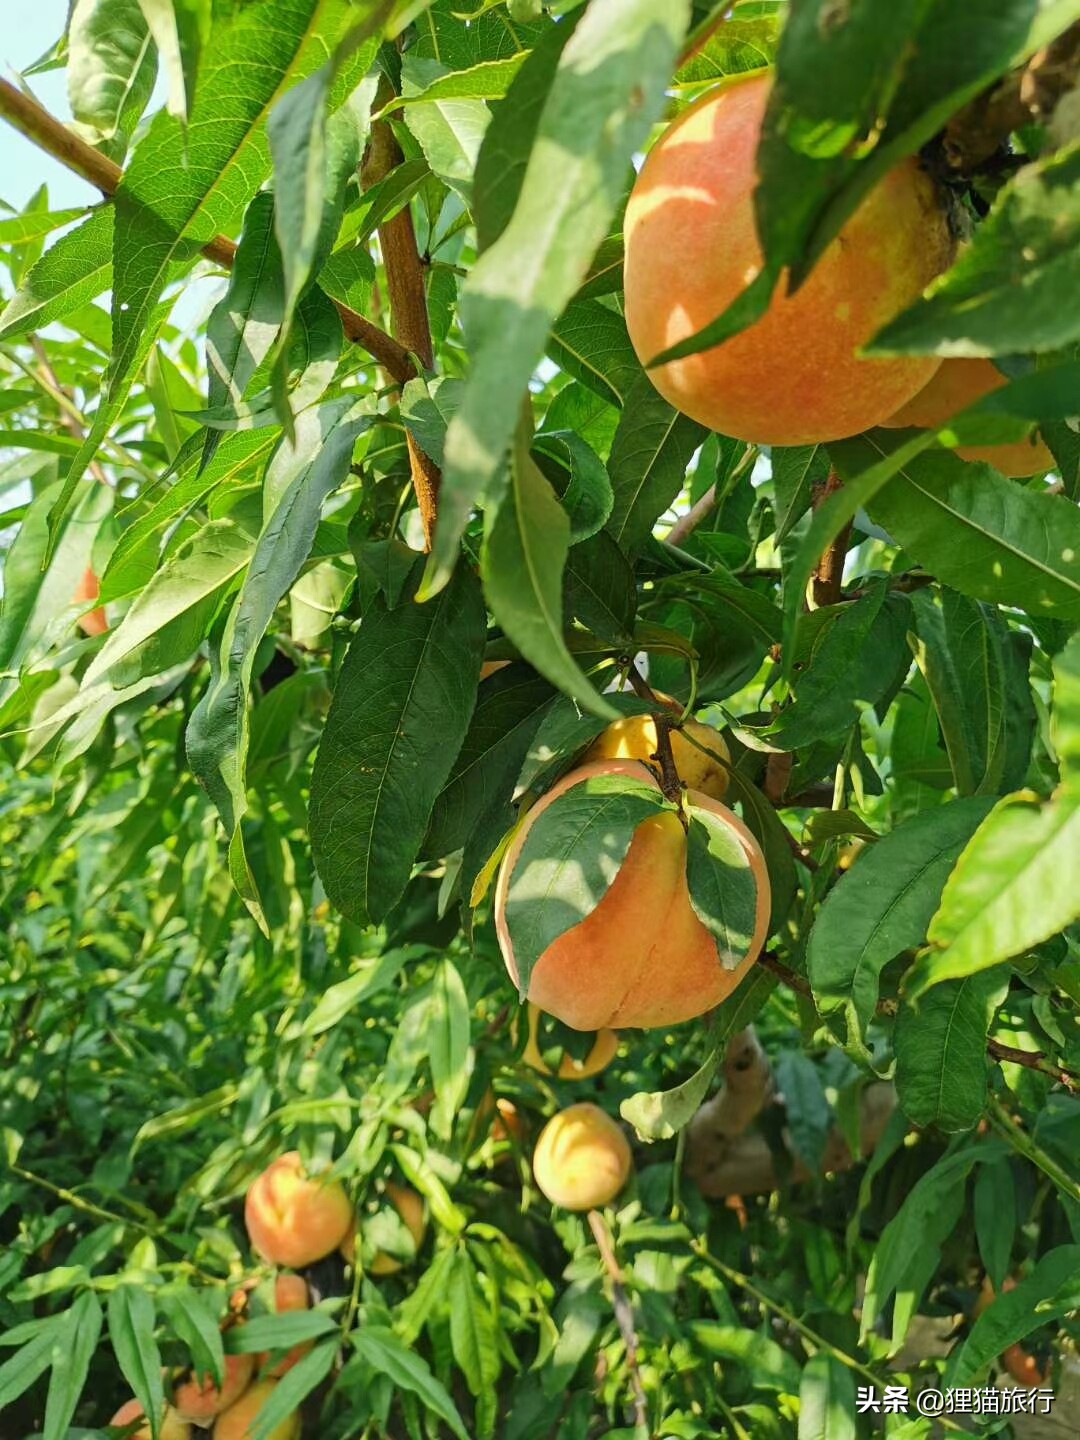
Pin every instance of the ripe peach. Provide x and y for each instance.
(235, 1423)
(582, 1158)
(634, 738)
(642, 957)
(599, 1057)
(293, 1218)
(171, 1428)
(956, 385)
(410, 1206)
(94, 622)
(795, 376)
(197, 1399)
(290, 1293)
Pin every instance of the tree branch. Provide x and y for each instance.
(829, 575)
(624, 1314)
(688, 523)
(665, 758)
(408, 302)
(52, 136)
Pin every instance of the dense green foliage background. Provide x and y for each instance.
(219, 940)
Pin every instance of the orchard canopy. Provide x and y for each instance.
(540, 722)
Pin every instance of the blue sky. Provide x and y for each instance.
(28, 28)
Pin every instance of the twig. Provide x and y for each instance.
(624, 1314)
(688, 523)
(1006, 1126)
(68, 415)
(665, 758)
(1010, 1054)
(408, 301)
(829, 575)
(52, 136)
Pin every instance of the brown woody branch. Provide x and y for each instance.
(829, 575)
(665, 758)
(408, 301)
(52, 136)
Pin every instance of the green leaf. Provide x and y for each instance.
(661, 1114)
(995, 1219)
(526, 539)
(180, 29)
(564, 730)
(448, 131)
(986, 536)
(580, 477)
(184, 185)
(571, 855)
(1065, 719)
(386, 1355)
(71, 273)
(30, 1361)
(278, 1332)
(909, 1250)
(298, 480)
(289, 1393)
(1005, 893)
(473, 1336)
(723, 890)
(599, 589)
(941, 1062)
(170, 617)
(17, 229)
(490, 80)
(809, 1116)
(131, 1335)
(960, 653)
(75, 1344)
(112, 66)
(1050, 1291)
(608, 87)
(336, 1002)
(448, 1037)
(767, 1364)
(509, 707)
(509, 139)
(653, 446)
(400, 713)
(590, 342)
(796, 471)
(1004, 293)
(192, 1320)
(883, 906)
(732, 48)
(826, 1400)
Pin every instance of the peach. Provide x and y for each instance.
(642, 957)
(290, 1293)
(294, 1218)
(410, 1206)
(599, 1057)
(197, 1399)
(94, 622)
(956, 385)
(171, 1428)
(582, 1158)
(635, 738)
(795, 376)
(235, 1423)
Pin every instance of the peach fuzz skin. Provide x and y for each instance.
(294, 1219)
(956, 385)
(235, 1423)
(582, 1158)
(198, 1399)
(794, 377)
(642, 958)
(599, 1057)
(410, 1206)
(171, 1428)
(290, 1293)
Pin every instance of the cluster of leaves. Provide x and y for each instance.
(242, 831)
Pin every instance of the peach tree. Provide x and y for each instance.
(541, 578)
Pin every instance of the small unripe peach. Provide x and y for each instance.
(634, 737)
(171, 1427)
(957, 384)
(295, 1219)
(235, 1423)
(94, 622)
(582, 1158)
(290, 1293)
(198, 1399)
